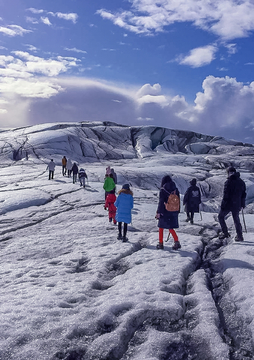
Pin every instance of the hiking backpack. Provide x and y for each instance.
(173, 203)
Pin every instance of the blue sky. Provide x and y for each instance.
(185, 64)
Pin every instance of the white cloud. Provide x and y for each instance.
(147, 89)
(5, 59)
(46, 21)
(35, 11)
(48, 67)
(232, 48)
(29, 88)
(13, 30)
(106, 49)
(199, 57)
(32, 20)
(229, 19)
(76, 50)
(66, 16)
(18, 74)
(148, 99)
(225, 107)
(144, 119)
(31, 47)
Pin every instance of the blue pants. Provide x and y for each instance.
(236, 218)
(82, 181)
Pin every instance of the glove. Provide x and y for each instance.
(105, 208)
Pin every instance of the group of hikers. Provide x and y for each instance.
(68, 168)
(168, 209)
(119, 208)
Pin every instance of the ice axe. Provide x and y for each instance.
(244, 221)
(168, 237)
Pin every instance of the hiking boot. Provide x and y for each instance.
(191, 221)
(224, 235)
(188, 219)
(176, 245)
(125, 239)
(160, 246)
(110, 220)
(119, 237)
(238, 238)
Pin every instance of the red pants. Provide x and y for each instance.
(171, 231)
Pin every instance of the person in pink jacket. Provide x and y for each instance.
(109, 204)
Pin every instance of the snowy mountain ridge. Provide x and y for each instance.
(106, 140)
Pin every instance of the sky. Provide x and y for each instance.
(179, 64)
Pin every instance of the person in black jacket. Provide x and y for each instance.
(191, 200)
(74, 172)
(167, 219)
(233, 201)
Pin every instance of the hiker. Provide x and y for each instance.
(124, 204)
(64, 162)
(108, 171)
(69, 167)
(191, 200)
(233, 201)
(51, 167)
(82, 177)
(74, 170)
(109, 185)
(114, 176)
(167, 219)
(110, 206)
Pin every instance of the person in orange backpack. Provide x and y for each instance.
(167, 219)
(109, 204)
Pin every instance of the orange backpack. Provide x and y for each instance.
(173, 203)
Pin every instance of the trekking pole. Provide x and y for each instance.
(200, 212)
(168, 237)
(244, 221)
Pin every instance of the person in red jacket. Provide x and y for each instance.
(109, 204)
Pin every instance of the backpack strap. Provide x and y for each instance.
(172, 192)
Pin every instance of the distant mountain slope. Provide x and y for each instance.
(96, 141)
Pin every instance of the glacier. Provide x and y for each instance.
(71, 290)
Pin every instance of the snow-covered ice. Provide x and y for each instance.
(71, 290)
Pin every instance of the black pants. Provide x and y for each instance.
(74, 178)
(51, 174)
(236, 218)
(190, 215)
(124, 229)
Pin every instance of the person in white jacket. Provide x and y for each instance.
(51, 167)
(69, 167)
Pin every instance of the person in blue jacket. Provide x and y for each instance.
(124, 204)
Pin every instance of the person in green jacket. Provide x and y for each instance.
(109, 185)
